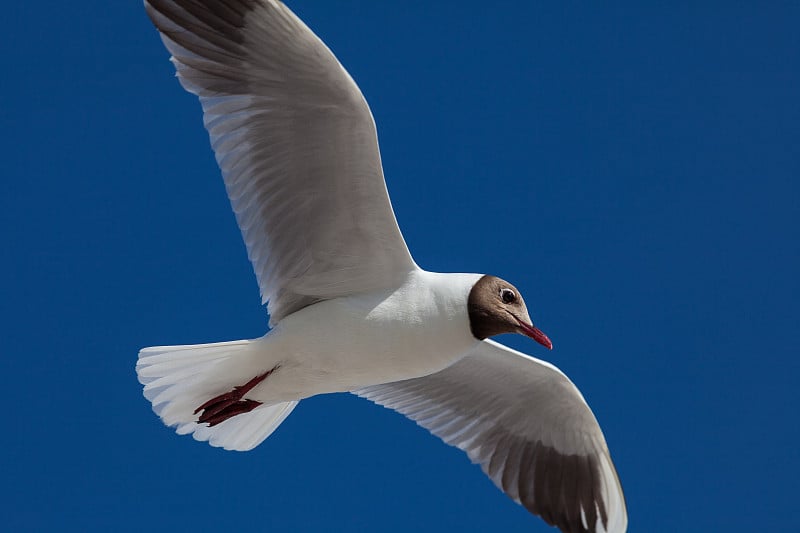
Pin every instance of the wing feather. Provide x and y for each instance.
(528, 427)
(297, 147)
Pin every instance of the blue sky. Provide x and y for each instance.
(633, 170)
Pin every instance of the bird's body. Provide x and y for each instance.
(414, 330)
(389, 335)
(350, 309)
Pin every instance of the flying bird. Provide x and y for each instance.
(350, 310)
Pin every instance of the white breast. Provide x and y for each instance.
(365, 339)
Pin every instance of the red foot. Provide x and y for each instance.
(222, 407)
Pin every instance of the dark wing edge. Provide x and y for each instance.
(527, 426)
(297, 146)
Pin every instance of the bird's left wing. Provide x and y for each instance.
(528, 427)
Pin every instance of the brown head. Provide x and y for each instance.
(496, 306)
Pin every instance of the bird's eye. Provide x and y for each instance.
(508, 296)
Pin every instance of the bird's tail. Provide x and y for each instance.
(178, 379)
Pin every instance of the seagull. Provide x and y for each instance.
(350, 310)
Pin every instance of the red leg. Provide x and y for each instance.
(229, 404)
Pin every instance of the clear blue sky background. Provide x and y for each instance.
(634, 170)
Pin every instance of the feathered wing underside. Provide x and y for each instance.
(297, 146)
(528, 427)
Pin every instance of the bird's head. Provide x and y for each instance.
(495, 306)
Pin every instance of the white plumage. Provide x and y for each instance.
(350, 309)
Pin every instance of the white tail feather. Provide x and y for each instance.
(177, 379)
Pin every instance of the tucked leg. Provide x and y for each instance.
(229, 404)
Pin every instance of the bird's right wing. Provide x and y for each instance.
(297, 146)
(528, 427)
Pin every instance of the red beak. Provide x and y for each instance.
(536, 334)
